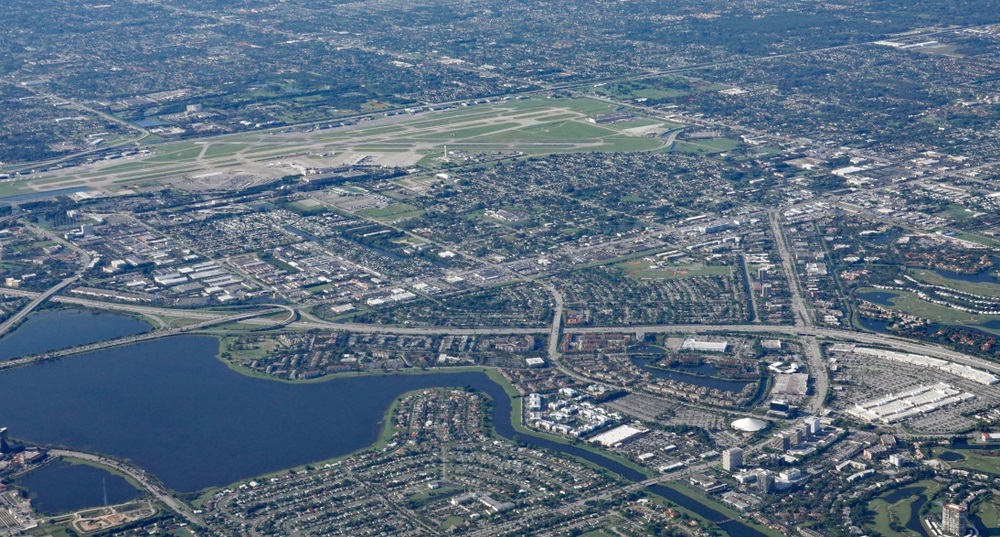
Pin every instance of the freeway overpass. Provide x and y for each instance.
(898, 343)
(216, 317)
(39, 299)
(129, 340)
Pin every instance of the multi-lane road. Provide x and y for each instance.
(38, 300)
(252, 318)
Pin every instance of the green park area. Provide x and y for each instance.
(392, 213)
(710, 146)
(988, 513)
(987, 462)
(991, 289)
(642, 269)
(12, 188)
(909, 303)
(894, 509)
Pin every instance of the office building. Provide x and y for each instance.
(732, 459)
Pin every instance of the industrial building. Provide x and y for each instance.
(618, 435)
(914, 402)
(693, 345)
(959, 370)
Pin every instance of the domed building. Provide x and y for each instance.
(748, 425)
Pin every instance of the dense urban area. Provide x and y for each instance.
(727, 268)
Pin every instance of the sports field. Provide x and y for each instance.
(641, 269)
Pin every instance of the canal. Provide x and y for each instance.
(174, 410)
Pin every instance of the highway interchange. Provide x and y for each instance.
(172, 321)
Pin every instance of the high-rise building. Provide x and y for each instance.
(765, 482)
(953, 519)
(4, 447)
(732, 459)
(799, 435)
(781, 441)
(814, 425)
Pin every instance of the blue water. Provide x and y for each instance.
(875, 325)
(878, 325)
(651, 350)
(988, 275)
(964, 444)
(59, 487)
(50, 330)
(882, 298)
(701, 369)
(171, 408)
(735, 386)
(950, 456)
(902, 494)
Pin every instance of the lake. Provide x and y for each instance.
(50, 330)
(951, 456)
(60, 486)
(988, 275)
(882, 298)
(171, 408)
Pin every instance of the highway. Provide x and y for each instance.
(814, 355)
(753, 296)
(556, 323)
(129, 340)
(788, 265)
(897, 343)
(139, 475)
(41, 297)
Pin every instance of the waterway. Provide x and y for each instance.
(993, 325)
(881, 326)
(989, 275)
(875, 325)
(697, 379)
(60, 486)
(304, 234)
(914, 523)
(50, 330)
(962, 443)
(902, 494)
(898, 495)
(171, 408)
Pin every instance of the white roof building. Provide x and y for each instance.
(692, 344)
